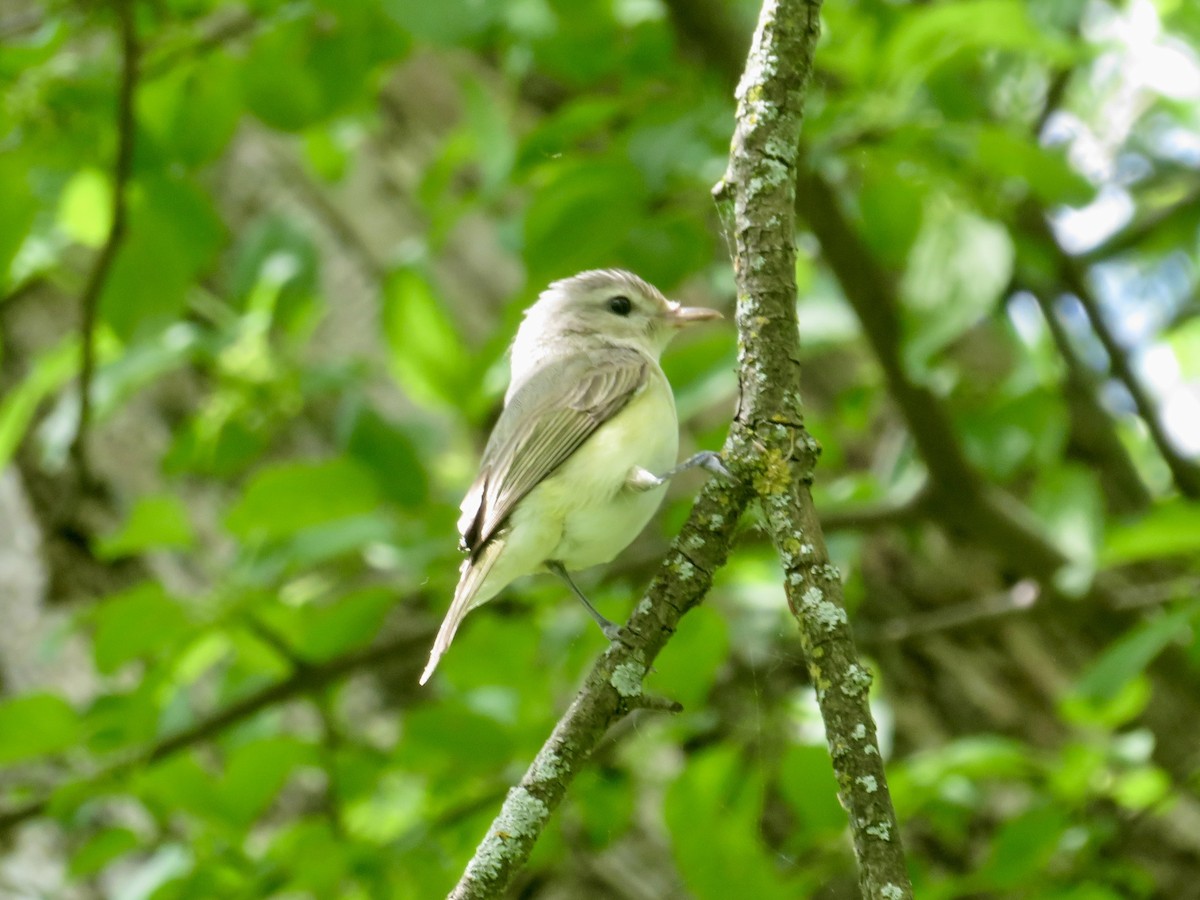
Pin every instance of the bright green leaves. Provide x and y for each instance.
(456, 22)
(159, 520)
(1170, 529)
(19, 405)
(253, 775)
(935, 34)
(715, 788)
(580, 216)
(189, 113)
(307, 68)
(282, 500)
(141, 621)
(427, 355)
(1011, 157)
(320, 631)
(36, 725)
(1128, 658)
(957, 268)
(174, 234)
(20, 207)
(101, 849)
(85, 207)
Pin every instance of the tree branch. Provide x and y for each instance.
(613, 688)
(1185, 472)
(1092, 428)
(768, 449)
(760, 187)
(122, 169)
(305, 680)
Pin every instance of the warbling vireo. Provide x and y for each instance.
(567, 478)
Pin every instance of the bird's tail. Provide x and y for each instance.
(466, 598)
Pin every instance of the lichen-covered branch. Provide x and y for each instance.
(760, 185)
(771, 457)
(613, 687)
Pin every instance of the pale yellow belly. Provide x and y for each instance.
(600, 513)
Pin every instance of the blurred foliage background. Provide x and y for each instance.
(330, 215)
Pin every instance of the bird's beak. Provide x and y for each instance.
(680, 316)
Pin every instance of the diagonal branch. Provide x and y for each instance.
(122, 169)
(768, 450)
(1185, 472)
(759, 190)
(1091, 426)
(613, 687)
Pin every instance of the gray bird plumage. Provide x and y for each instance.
(566, 477)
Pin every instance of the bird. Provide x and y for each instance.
(568, 476)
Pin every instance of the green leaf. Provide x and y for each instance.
(158, 520)
(190, 112)
(386, 449)
(717, 787)
(427, 356)
(287, 498)
(138, 622)
(180, 784)
(891, 211)
(429, 730)
(1069, 503)
(85, 207)
(1048, 174)
(1130, 656)
(1184, 341)
(36, 725)
(928, 36)
(580, 215)
(688, 666)
(1023, 849)
(807, 782)
(101, 849)
(174, 234)
(51, 370)
(20, 206)
(256, 772)
(306, 68)
(1170, 529)
(1142, 788)
(351, 621)
(957, 269)
(452, 23)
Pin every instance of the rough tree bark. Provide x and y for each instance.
(772, 457)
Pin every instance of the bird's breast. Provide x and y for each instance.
(601, 514)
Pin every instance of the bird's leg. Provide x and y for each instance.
(610, 629)
(641, 480)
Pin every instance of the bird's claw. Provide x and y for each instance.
(711, 460)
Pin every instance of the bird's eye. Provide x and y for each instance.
(620, 305)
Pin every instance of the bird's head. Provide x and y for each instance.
(604, 306)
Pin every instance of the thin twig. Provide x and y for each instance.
(1092, 426)
(1185, 472)
(121, 172)
(1021, 596)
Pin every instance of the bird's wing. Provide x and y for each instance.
(546, 420)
